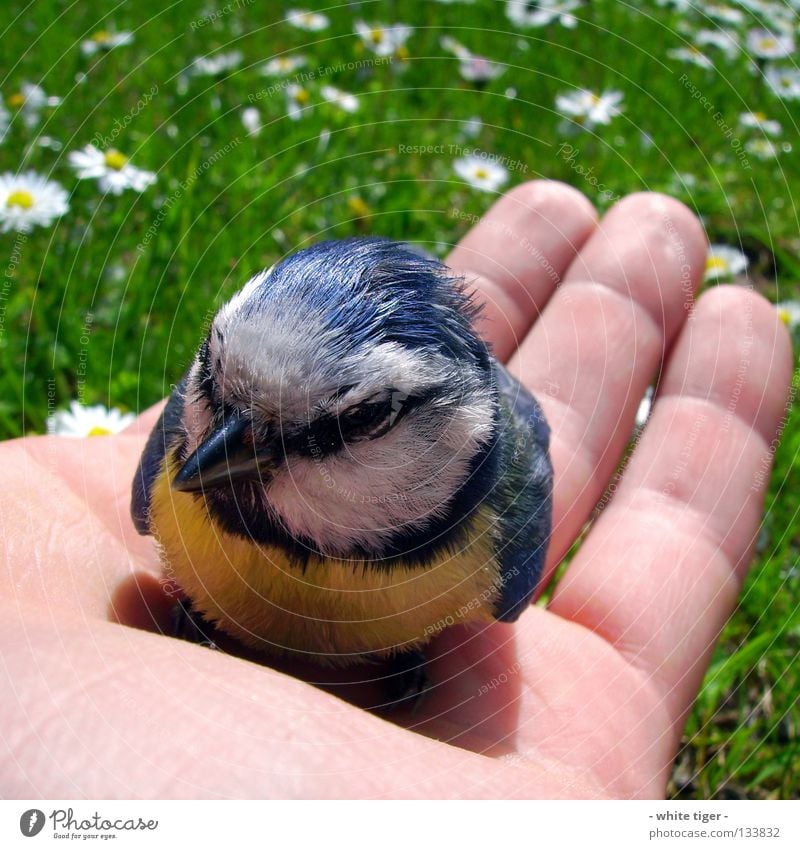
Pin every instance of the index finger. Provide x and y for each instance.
(515, 256)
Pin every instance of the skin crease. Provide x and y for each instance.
(584, 698)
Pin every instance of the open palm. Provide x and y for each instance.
(584, 698)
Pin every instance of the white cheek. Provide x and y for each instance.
(362, 495)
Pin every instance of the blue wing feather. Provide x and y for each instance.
(165, 434)
(525, 493)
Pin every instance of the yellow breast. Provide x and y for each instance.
(333, 609)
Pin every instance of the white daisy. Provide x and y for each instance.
(472, 67)
(481, 173)
(722, 13)
(219, 63)
(645, 406)
(282, 65)
(343, 99)
(81, 421)
(759, 121)
(29, 102)
(789, 313)
(29, 200)
(455, 47)
(588, 109)
(111, 169)
(691, 54)
(764, 44)
(310, 21)
(525, 14)
(727, 42)
(762, 148)
(297, 99)
(251, 120)
(472, 126)
(723, 262)
(785, 82)
(383, 40)
(105, 40)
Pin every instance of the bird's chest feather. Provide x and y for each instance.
(333, 609)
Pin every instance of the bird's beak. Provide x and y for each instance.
(223, 457)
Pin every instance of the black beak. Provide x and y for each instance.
(222, 458)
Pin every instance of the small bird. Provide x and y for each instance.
(344, 471)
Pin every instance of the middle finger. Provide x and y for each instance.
(599, 342)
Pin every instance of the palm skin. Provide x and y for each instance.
(584, 698)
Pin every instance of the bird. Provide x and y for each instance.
(345, 470)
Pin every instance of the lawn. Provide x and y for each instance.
(107, 303)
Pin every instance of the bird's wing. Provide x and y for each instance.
(525, 495)
(161, 439)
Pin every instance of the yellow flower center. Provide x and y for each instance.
(101, 36)
(716, 263)
(116, 160)
(284, 64)
(16, 100)
(402, 52)
(481, 173)
(760, 116)
(783, 315)
(595, 98)
(20, 198)
(377, 36)
(307, 18)
(99, 430)
(302, 96)
(767, 43)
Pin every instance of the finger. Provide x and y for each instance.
(661, 568)
(600, 341)
(515, 255)
(145, 422)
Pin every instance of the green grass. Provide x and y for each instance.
(91, 311)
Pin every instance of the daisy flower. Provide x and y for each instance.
(282, 65)
(29, 102)
(343, 99)
(766, 45)
(88, 421)
(211, 66)
(789, 313)
(525, 14)
(588, 109)
(479, 69)
(481, 173)
(645, 406)
(297, 99)
(383, 40)
(762, 148)
(722, 13)
(727, 42)
(111, 169)
(251, 120)
(759, 121)
(310, 21)
(723, 262)
(785, 82)
(691, 54)
(105, 40)
(29, 200)
(474, 68)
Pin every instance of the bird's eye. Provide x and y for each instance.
(366, 421)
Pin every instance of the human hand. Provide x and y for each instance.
(584, 698)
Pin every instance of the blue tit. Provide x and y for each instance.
(344, 470)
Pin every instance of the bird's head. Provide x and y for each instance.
(341, 396)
